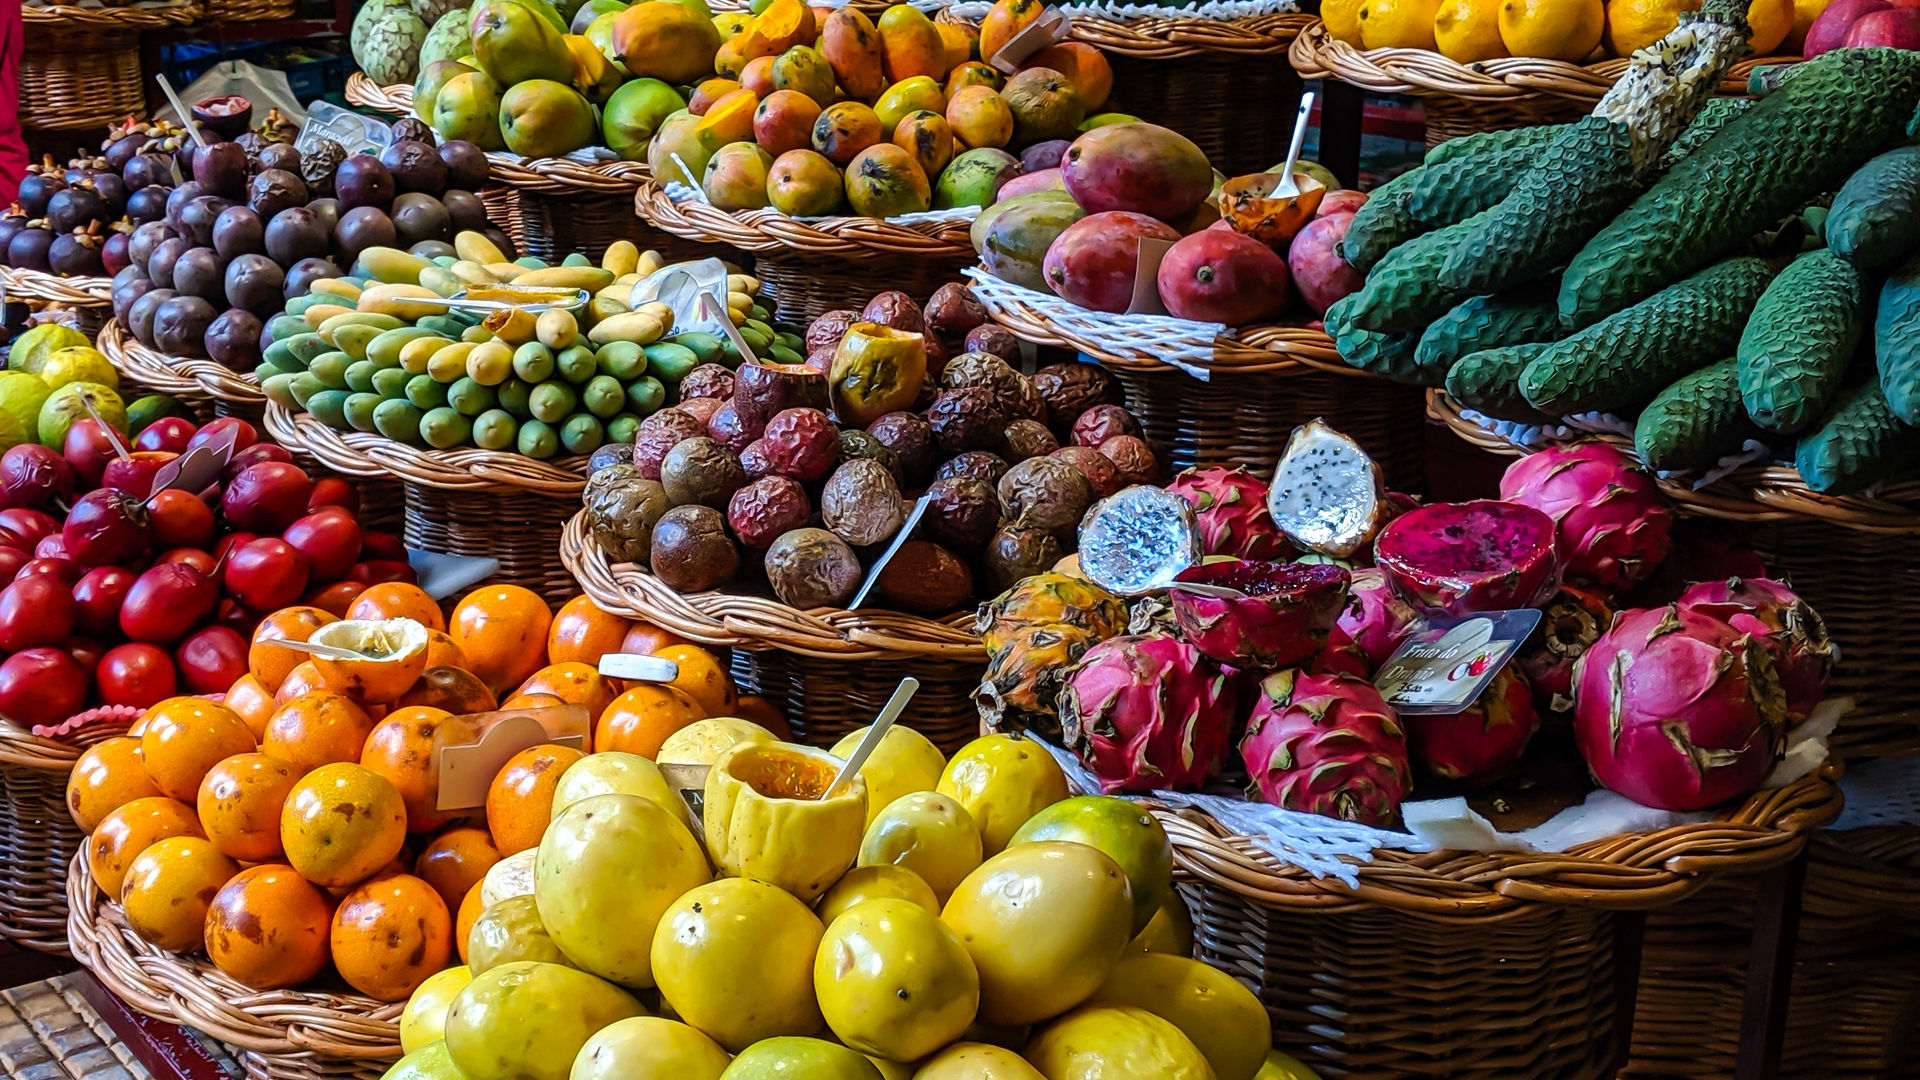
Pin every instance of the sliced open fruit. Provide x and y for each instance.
(766, 820)
(389, 655)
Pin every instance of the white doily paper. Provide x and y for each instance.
(1215, 9)
(680, 193)
(1174, 341)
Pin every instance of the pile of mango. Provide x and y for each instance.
(376, 351)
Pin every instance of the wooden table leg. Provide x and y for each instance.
(167, 1050)
(1629, 934)
(1776, 932)
(1340, 122)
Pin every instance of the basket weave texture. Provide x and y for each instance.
(192, 379)
(81, 66)
(288, 1033)
(35, 286)
(249, 10)
(37, 835)
(1851, 556)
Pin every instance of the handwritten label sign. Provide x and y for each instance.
(1442, 668)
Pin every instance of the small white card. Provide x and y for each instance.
(1442, 668)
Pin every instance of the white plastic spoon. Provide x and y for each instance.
(896, 705)
(1286, 187)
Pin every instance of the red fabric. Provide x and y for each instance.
(13, 145)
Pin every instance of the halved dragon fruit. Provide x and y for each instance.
(1147, 711)
(1675, 708)
(1613, 522)
(1374, 621)
(1230, 508)
(1477, 744)
(1484, 555)
(1326, 744)
(1284, 617)
(1569, 625)
(1327, 495)
(1793, 631)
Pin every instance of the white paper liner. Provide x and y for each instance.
(1537, 436)
(1172, 341)
(1328, 847)
(1215, 9)
(680, 193)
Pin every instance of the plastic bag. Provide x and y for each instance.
(266, 88)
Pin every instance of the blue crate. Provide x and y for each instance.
(314, 68)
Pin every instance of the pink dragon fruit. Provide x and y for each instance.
(1230, 506)
(1326, 744)
(1569, 625)
(1147, 711)
(1793, 631)
(1284, 617)
(1374, 621)
(1613, 523)
(1703, 550)
(1453, 558)
(1675, 708)
(1341, 657)
(1477, 744)
(1327, 495)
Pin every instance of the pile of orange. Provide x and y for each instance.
(276, 830)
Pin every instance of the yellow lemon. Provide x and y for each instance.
(1804, 12)
(1343, 19)
(1772, 21)
(1635, 24)
(1552, 29)
(1469, 30)
(1398, 24)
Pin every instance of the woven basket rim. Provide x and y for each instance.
(72, 18)
(1753, 494)
(183, 377)
(38, 286)
(21, 748)
(736, 620)
(367, 455)
(1624, 872)
(1172, 37)
(1261, 349)
(186, 990)
(771, 231)
(1504, 82)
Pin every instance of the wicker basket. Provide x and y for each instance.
(1177, 70)
(80, 68)
(37, 836)
(817, 265)
(1852, 557)
(464, 501)
(1464, 98)
(202, 384)
(1259, 384)
(219, 11)
(828, 670)
(1467, 965)
(281, 1034)
(89, 298)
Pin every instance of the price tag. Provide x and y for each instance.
(200, 466)
(359, 134)
(467, 771)
(1442, 668)
(1146, 277)
(638, 667)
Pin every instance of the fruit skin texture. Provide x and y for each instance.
(1569, 625)
(526, 1020)
(904, 762)
(239, 805)
(718, 930)
(1794, 633)
(1007, 914)
(390, 935)
(894, 981)
(976, 1061)
(267, 928)
(1130, 836)
(795, 1058)
(1285, 617)
(1146, 712)
(341, 823)
(1326, 744)
(1611, 522)
(1223, 1019)
(765, 818)
(1483, 555)
(649, 1047)
(1002, 781)
(1093, 261)
(501, 628)
(520, 798)
(1675, 709)
(1230, 508)
(608, 868)
(107, 776)
(185, 738)
(1374, 620)
(1117, 1040)
(1218, 275)
(1488, 736)
(1052, 599)
(169, 888)
(927, 833)
(1144, 168)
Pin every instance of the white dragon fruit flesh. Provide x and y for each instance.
(1147, 711)
(1793, 631)
(1484, 555)
(1675, 708)
(1476, 745)
(1613, 523)
(1327, 495)
(1326, 744)
(1230, 511)
(1283, 616)
(1569, 625)
(1374, 621)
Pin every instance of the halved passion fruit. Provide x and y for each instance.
(391, 654)
(766, 820)
(1248, 204)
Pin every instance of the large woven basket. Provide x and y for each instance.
(249, 10)
(1465, 965)
(1232, 400)
(1855, 1010)
(200, 383)
(1181, 70)
(37, 836)
(1853, 557)
(560, 205)
(81, 66)
(817, 265)
(89, 298)
(1464, 98)
(464, 501)
(307, 1034)
(829, 671)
